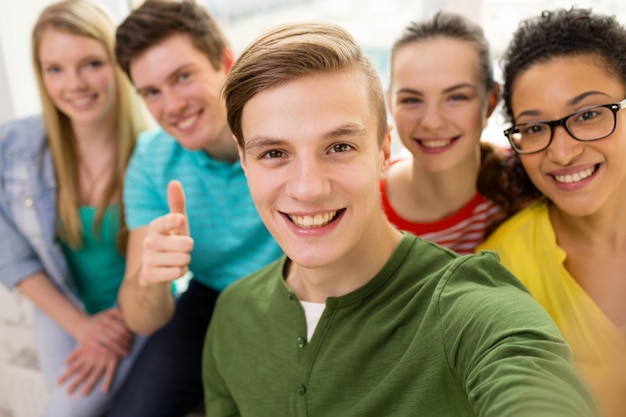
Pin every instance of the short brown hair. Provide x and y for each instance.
(156, 20)
(292, 51)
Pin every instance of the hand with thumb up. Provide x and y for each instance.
(167, 247)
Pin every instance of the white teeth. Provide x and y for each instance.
(575, 177)
(82, 101)
(184, 124)
(309, 222)
(434, 143)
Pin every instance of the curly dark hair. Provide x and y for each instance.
(558, 33)
(563, 32)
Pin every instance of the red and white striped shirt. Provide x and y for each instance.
(462, 231)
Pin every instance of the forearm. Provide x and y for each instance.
(47, 298)
(146, 308)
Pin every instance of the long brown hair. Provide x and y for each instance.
(494, 180)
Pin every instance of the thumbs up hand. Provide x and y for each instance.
(168, 245)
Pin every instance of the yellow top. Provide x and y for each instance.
(527, 245)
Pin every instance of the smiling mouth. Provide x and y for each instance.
(84, 101)
(188, 121)
(575, 177)
(318, 220)
(434, 143)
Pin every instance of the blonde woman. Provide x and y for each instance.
(62, 230)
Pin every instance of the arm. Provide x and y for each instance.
(146, 308)
(102, 339)
(47, 298)
(504, 348)
(157, 255)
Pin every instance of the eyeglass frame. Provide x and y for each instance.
(614, 107)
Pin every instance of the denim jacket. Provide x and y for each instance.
(28, 218)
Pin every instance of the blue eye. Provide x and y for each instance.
(95, 64)
(458, 97)
(53, 69)
(147, 94)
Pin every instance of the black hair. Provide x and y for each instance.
(559, 33)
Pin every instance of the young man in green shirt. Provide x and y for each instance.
(359, 319)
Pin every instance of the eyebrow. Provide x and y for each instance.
(572, 102)
(348, 129)
(446, 90)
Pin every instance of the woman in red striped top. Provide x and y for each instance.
(454, 189)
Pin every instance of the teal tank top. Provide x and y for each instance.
(97, 267)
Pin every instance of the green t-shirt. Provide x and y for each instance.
(97, 267)
(431, 334)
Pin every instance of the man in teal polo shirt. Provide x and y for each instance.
(177, 57)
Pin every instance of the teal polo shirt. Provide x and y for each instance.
(230, 240)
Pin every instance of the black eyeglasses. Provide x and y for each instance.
(586, 125)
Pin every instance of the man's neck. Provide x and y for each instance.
(346, 274)
(223, 147)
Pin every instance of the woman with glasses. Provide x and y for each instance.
(451, 190)
(564, 91)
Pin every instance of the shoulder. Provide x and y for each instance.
(22, 135)
(155, 141)
(256, 286)
(518, 228)
(155, 154)
(479, 287)
(477, 270)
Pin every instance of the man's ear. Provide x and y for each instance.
(228, 59)
(386, 153)
(242, 157)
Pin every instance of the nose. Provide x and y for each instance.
(564, 149)
(308, 179)
(175, 103)
(77, 81)
(432, 119)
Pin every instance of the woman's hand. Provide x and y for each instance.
(103, 340)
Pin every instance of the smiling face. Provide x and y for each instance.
(313, 164)
(580, 178)
(182, 91)
(439, 102)
(78, 76)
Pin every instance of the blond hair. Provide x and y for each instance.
(85, 18)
